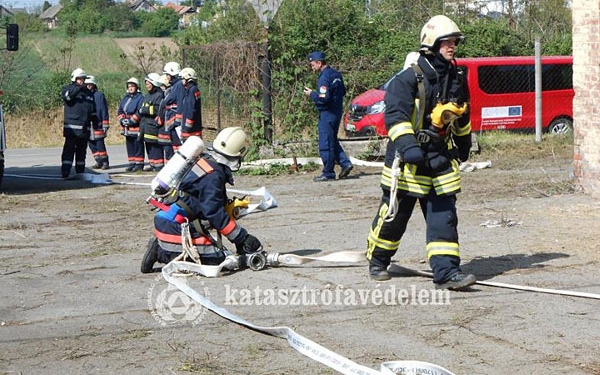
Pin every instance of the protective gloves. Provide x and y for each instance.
(443, 114)
(414, 155)
(249, 245)
(438, 161)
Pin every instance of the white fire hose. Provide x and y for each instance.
(300, 343)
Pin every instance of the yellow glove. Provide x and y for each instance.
(443, 114)
(234, 206)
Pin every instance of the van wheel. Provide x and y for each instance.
(562, 125)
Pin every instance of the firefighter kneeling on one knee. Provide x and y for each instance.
(200, 199)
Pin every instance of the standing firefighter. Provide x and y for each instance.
(169, 111)
(148, 114)
(199, 202)
(98, 134)
(79, 119)
(429, 130)
(129, 120)
(191, 105)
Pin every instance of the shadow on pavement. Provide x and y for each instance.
(489, 267)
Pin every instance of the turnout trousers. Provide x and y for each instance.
(74, 147)
(441, 232)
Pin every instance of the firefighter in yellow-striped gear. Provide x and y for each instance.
(429, 131)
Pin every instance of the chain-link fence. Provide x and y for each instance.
(229, 80)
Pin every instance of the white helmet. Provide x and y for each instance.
(436, 29)
(77, 73)
(154, 79)
(134, 81)
(172, 68)
(188, 74)
(232, 142)
(90, 80)
(164, 80)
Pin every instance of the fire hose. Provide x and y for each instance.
(300, 343)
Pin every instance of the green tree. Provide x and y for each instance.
(160, 23)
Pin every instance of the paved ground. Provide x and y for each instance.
(73, 299)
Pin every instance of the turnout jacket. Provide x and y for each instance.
(169, 110)
(191, 112)
(79, 111)
(442, 83)
(148, 114)
(102, 125)
(329, 95)
(202, 195)
(127, 114)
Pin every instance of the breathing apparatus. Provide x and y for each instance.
(169, 178)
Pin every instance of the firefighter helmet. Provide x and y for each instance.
(78, 73)
(172, 68)
(164, 80)
(437, 29)
(154, 79)
(188, 74)
(90, 80)
(134, 81)
(232, 142)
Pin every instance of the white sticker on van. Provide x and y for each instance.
(497, 112)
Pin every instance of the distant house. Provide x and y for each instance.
(5, 12)
(141, 5)
(185, 13)
(49, 16)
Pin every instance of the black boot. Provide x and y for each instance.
(379, 273)
(459, 281)
(151, 256)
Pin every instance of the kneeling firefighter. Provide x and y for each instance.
(190, 192)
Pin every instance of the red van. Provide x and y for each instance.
(502, 93)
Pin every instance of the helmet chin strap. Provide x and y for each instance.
(233, 163)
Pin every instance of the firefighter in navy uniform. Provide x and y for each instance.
(79, 119)
(202, 198)
(148, 114)
(97, 136)
(170, 114)
(429, 131)
(127, 113)
(191, 105)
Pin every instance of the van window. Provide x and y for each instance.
(508, 79)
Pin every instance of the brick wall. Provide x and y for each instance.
(586, 105)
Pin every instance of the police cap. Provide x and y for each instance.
(316, 56)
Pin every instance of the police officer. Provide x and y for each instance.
(98, 133)
(426, 140)
(79, 118)
(148, 114)
(191, 105)
(328, 99)
(129, 119)
(202, 198)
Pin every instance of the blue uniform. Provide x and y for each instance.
(203, 196)
(130, 128)
(328, 99)
(96, 143)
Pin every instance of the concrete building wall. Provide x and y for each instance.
(586, 104)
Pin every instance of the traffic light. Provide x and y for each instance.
(12, 37)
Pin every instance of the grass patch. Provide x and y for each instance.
(278, 169)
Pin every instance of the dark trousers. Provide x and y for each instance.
(135, 150)
(330, 149)
(73, 147)
(441, 220)
(156, 154)
(98, 148)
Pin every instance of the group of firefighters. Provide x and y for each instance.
(156, 123)
(429, 130)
